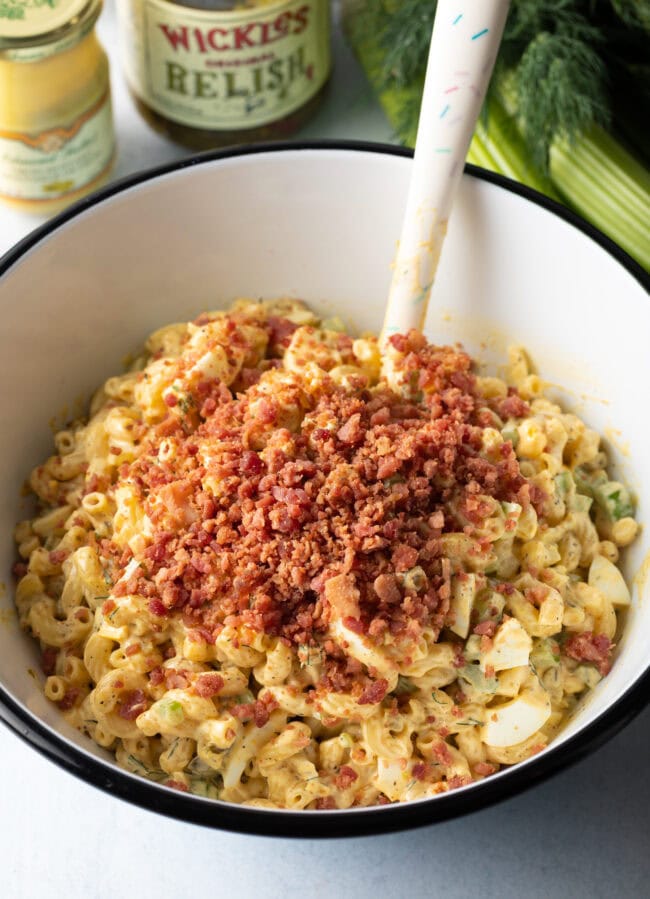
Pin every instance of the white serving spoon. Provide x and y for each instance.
(464, 45)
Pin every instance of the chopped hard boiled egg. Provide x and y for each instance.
(463, 591)
(517, 720)
(361, 648)
(510, 648)
(607, 578)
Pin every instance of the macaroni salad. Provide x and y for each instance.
(278, 567)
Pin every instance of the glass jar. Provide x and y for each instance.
(56, 126)
(210, 73)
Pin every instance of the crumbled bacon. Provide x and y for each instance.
(590, 647)
(351, 431)
(387, 588)
(459, 780)
(258, 711)
(176, 680)
(374, 693)
(156, 676)
(486, 628)
(58, 555)
(326, 495)
(156, 607)
(484, 769)
(280, 331)
(48, 660)
(343, 596)
(443, 754)
(346, 777)
(69, 698)
(132, 704)
(177, 785)
(512, 406)
(421, 770)
(404, 557)
(208, 685)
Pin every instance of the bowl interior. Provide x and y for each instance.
(322, 225)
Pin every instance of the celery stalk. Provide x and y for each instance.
(606, 185)
(478, 154)
(501, 139)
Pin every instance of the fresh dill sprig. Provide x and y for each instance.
(560, 92)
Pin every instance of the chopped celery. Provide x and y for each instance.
(563, 483)
(614, 499)
(489, 606)
(580, 503)
(589, 675)
(545, 654)
(611, 496)
(171, 710)
(244, 698)
(512, 435)
(473, 675)
(585, 481)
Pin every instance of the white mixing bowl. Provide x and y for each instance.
(320, 223)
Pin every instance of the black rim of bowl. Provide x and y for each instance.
(337, 823)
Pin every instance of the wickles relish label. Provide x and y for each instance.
(225, 70)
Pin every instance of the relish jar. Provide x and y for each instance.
(209, 73)
(56, 126)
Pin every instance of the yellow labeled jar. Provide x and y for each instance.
(209, 73)
(56, 125)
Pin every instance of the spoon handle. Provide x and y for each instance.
(464, 45)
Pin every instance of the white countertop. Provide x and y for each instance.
(585, 833)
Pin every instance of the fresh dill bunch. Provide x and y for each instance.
(551, 63)
(560, 91)
(557, 78)
(405, 38)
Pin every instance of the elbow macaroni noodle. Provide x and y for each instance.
(491, 689)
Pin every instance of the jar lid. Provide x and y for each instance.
(33, 21)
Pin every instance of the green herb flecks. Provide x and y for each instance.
(138, 767)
